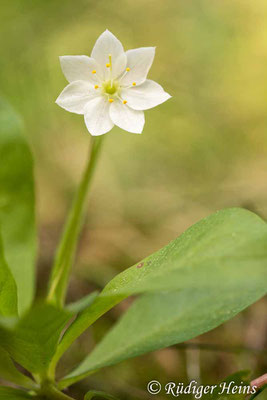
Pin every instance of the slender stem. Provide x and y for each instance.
(51, 393)
(259, 382)
(67, 248)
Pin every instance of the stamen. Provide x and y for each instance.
(123, 101)
(125, 72)
(97, 77)
(96, 86)
(130, 86)
(109, 65)
(111, 100)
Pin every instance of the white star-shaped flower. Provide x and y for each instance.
(110, 87)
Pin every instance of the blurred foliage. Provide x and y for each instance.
(202, 150)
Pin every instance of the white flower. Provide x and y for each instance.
(110, 87)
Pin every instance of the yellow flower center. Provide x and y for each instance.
(110, 86)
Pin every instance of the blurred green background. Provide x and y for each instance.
(203, 150)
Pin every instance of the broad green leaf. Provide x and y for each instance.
(95, 393)
(33, 341)
(198, 281)
(82, 303)
(159, 320)
(261, 395)
(8, 393)
(9, 372)
(227, 248)
(8, 288)
(17, 204)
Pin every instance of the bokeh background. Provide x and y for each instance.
(203, 150)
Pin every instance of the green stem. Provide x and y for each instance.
(67, 248)
(51, 393)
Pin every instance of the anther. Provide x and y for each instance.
(124, 101)
(128, 69)
(94, 71)
(134, 83)
(96, 86)
(111, 100)
(108, 65)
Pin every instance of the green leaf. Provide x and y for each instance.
(17, 204)
(8, 288)
(261, 395)
(9, 372)
(159, 320)
(33, 341)
(198, 281)
(94, 393)
(226, 249)
(82, 303)
(7, 393)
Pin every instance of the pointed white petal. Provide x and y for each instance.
(126, 118)
(107, 44)
(75, 96)
(118, 66)
(139, 61)
(147, 95)
(78, 68)
(97, 117)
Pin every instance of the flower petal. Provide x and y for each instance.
(126, 118)
(75, 96)
(107, 44)
(118, 66)
(97, 117)
(78, 68)
(139, 61)
(147, 95)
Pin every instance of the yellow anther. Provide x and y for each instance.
(96, 86)
(111, 100)
(124, 101)
(94, 71)
(108, 65)
(134, 83)
(128, 69)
